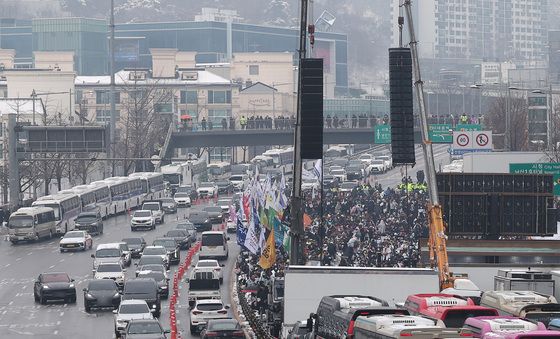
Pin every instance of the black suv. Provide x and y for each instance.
(101, 293)
(55, 285)
(201, 221)
(143, 289)
(169, 205)
(172, 248)
(135, 245)
(90, 222)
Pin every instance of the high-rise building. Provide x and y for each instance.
(489, 30)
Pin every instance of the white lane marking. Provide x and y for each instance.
(11, 302)
(71, 254)
(51, 266)
(7, 265)
(61, 314)
(58, 323)
(30, 253)
(18, 259)
(61, 260)
(55, 332)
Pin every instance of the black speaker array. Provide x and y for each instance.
(497, 204)
(401, 106)
(312, 108)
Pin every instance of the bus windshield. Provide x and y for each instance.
(56, 208)
(456, 318)
(173, 179)
(215, 170)
(204, 284)
(20, 221)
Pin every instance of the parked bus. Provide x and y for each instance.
(524, 304)
(398, 326)
(66, 208)
(336, 314)
(483, 327)
(336, 152)
(449, 310)
(176, 174)
(31, 223)
(219, 171)
(152, 185)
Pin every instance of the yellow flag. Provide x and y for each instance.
(268, 255)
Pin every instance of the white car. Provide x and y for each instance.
(239, 181)
(143, 219)
(110, 271)
(377, 167)
(309, 184)
(211, 264)
(205, 310)
(388, 161)
(157, 209)
(130, 310)
(76, 240)
(182, 199)
(158, 251)
(207, 190)
(340, 174)
(366, 158)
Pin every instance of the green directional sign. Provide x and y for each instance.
(539, 168)
(382, 134)
(440, 133)
(468, 127)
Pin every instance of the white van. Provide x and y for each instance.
(214, 245)
(108, 253)
(31, 223)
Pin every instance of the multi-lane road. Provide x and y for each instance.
(20, 265)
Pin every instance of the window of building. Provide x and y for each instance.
(189, 97)
(104, 97)
(219, 97)
(216, 116)
(253, 69)
(104, 115)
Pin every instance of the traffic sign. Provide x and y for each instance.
(468, 127)
(539, 168)
(471, 141)
(440, 133)
(462, 140)
(482, 140)
(382, 134)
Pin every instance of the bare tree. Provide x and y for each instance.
(142, 127)
(495, 120)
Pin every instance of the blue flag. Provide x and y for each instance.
(241, 233)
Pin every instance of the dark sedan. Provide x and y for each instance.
(56, 285)
(354, 173)
(214, 213)
(188, 227)
(201, 221)
(160, 278)
(224, 187)
(90, 222)
(171, 247)
(135, 245)
(181, 237)
(101, 293)
(169, 205)
(222, 328)
(145, 329)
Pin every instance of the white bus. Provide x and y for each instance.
(66, 208)
(219, 171)
(524, 304)
(176, 174)
(152, 185)
(282, 158)
(31, 223)
(398, 326)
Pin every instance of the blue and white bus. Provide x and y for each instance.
(66, 208)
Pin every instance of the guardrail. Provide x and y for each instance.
(258, 328)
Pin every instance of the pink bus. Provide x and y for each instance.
(503, 327)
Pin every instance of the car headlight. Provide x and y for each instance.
(45, 287)
(89, 296)
(72, 286)
(121, 322)
(163, 287)
(30, 233)
(117, 295)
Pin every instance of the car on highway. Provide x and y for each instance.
(189, 189)
(239, 181)
(347, 186)
(151, 260)
(135, 245)
(172, 248)
(182, 199)
(224, 187)
(144, 329)
(169, 205)
(354, 172)
(159, 251)
(340, 174)
(201, 220)
(214, 244)
(108, 253)
(377, 166)
(329, 181)
(188, 227)
(205, 310)
(308, 184)
(182, 238)
(131, 310)
(157, 209)
(161, 280)
(207, 190)
(153, 267)
(387, 159)
(54, 285)
(224, 204)
(366, 158)
(212, 264)
(222, 328)
(144, 289)
(143, 219)
(111, 270)
(101, 293)
(355, 162)
(215, 214)
(127, 254)
(231, 226)
(75, 241)
(339, 162)
(91, 222)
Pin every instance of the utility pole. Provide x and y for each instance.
(296, 206)
(113, 118)
(13, 165)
